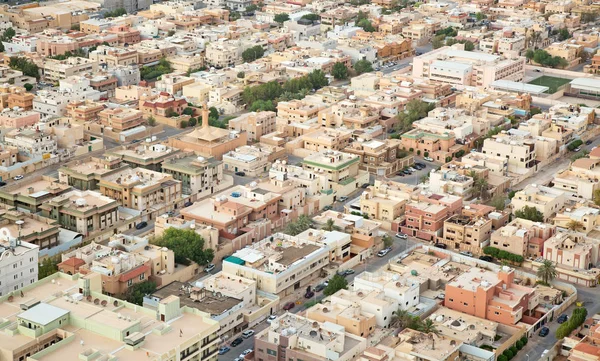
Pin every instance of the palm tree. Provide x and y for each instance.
(330, 226)
(429, 328)
(400, 318)
(481, 184)
(574, 225)
(547, 271)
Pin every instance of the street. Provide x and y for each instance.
(371, 265)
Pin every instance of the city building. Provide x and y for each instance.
(198, 175)
(86, 174)
(342, 170)
(464, 233)
(254, 124)
(147, 156)
(522, 237)
(18, 260)
(548, 201)
(30, 195)
(253, 160)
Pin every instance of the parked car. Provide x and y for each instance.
(349, 271)
(544, 331)
(575, 150)
(320, 287)
(271, 318)
(19, 177)
(237, 341)
(2, 184)
(135, 141)
(309, 294)
(466, 253)
(537, 70)
(326, 283)
(241, 174)
(288, 306)
(223, 350)
(562, 318)
(383, 252)
(486, 258)
(141, 225)
(440, 245)
(209, 268)
(428, 159)
(364, 185)
(588, 142)
(402, 235)
(412, 169)
(247, 333)
(400, 174)
(417, 166)
(421, 164)
(407, 172)
(187, 204)
(326, 208)
(246, 352)
(238, 359)
(343, 198)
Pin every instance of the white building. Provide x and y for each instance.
(18, 263)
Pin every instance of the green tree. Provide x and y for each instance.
(23, 64)
(597, 197)
(241, 75)
(151, 121)
(437, 41)
(135, 294)
(498, 202)
(366, 25)
(401, 319)
(8, 34)
(281, 18)
(171, 33)
(508, 353)
(75, 27)
(414, 110)
(563, 34)
(192, 122)
(574, 225)
(234, 15)
(469, 46)
(28, 86)
(339, 71)
(312, 17)
(186, 244)
(336, 283)
(115, 13)
(530, 213)
(298, 226)
(387, 241)
(47, 267)
(429, 328)
(502, 358)
(363, 66)
(188, 111)
(519, 345)
(330, 226)
(529, 54)
(213, 113)
(480, 16)
(546, 271)
(253, 53)
(251, 8)
(262, 106)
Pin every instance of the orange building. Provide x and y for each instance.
(495, 297)
(121, 119)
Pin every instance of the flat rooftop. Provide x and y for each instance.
(206, 301)
(35, 187)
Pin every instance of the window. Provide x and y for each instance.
(129, 282)
(271, 352)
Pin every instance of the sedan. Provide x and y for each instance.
(209, 268)
(247, 333)
(544, 331)
(320, 287)
(223, 350)
(364, 185)
(240, 174)
(428, 159)
(271, 318)
(309, 294)
(402, 235)
(440, 245)
(19, 177)
(466, 253)
(349, 271)
(588, 142)
(343, 198)
(486, 258)
(246, 352)
(288, 306)
(237, 341)
(141, 225)
(562, 318)
(382, 253)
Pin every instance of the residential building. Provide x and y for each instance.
(571, 251)
(31, 142)
(147, 156)
(82, 211)
(520, 152)
(304, 342)
(86, 174)
(254, 124)
(451, 182)
(464, 233)
(31, 228)
(253, 160)
(522, 237)
(108, 324)
(18, 118)
(434, 145)
(293, 264)
(380, 157)
(121, 119)
(491, 296)
(548, 201)
(198, 175)
(30, 195)
(424, 218)
(363, 232)
(385, 201)
(18, 261)
(342, 170)
(453, 65)
(141, 189)
(55, 70)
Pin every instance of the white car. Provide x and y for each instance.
(402, 235)
(247, 351)
(271, 318)
(19, 177)
(209, 268)
(247, 333)
(428, 159)
(383, 252)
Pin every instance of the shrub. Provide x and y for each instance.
(502, 358)
(508, 353)
(519, 345)
(514, 350)
(524, 339)
(418, 152)
(426, 154)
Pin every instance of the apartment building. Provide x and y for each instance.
(451, 182)
(464, 233)
(250, 159)
(380, 157)
(523, 237)
(424, 217)
(580, 180)
(222, 54)
(108, 324)
(363, 232)
(589, 217)
(453, 65)
(434, 145)
(570, 250)
(18, 261)
(147, 156)
(293, 264)
(85, 174)
(121, 119)
(230, 211)
(18, 118)
(351, 115)
(82, 211)
(198, 175)
(84, 110)
(403, 289)
(385, 201)
(161, 105)
(342, 170)
(31, 194)
(55, 70)
(254, 124)
(297, 117)
(520, 152)
(141, 189)
(31, 228)
(31, 142)
(173, 83)
(491, 296)
(114, 56)
(324, 139)
(548, 201)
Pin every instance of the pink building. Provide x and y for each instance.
(495, 297)
(19, 118)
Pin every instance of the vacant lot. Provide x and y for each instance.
(551, 82)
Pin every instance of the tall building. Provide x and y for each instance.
(18, 262)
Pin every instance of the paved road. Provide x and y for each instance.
(536, 345)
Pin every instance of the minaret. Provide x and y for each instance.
(205, 116)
